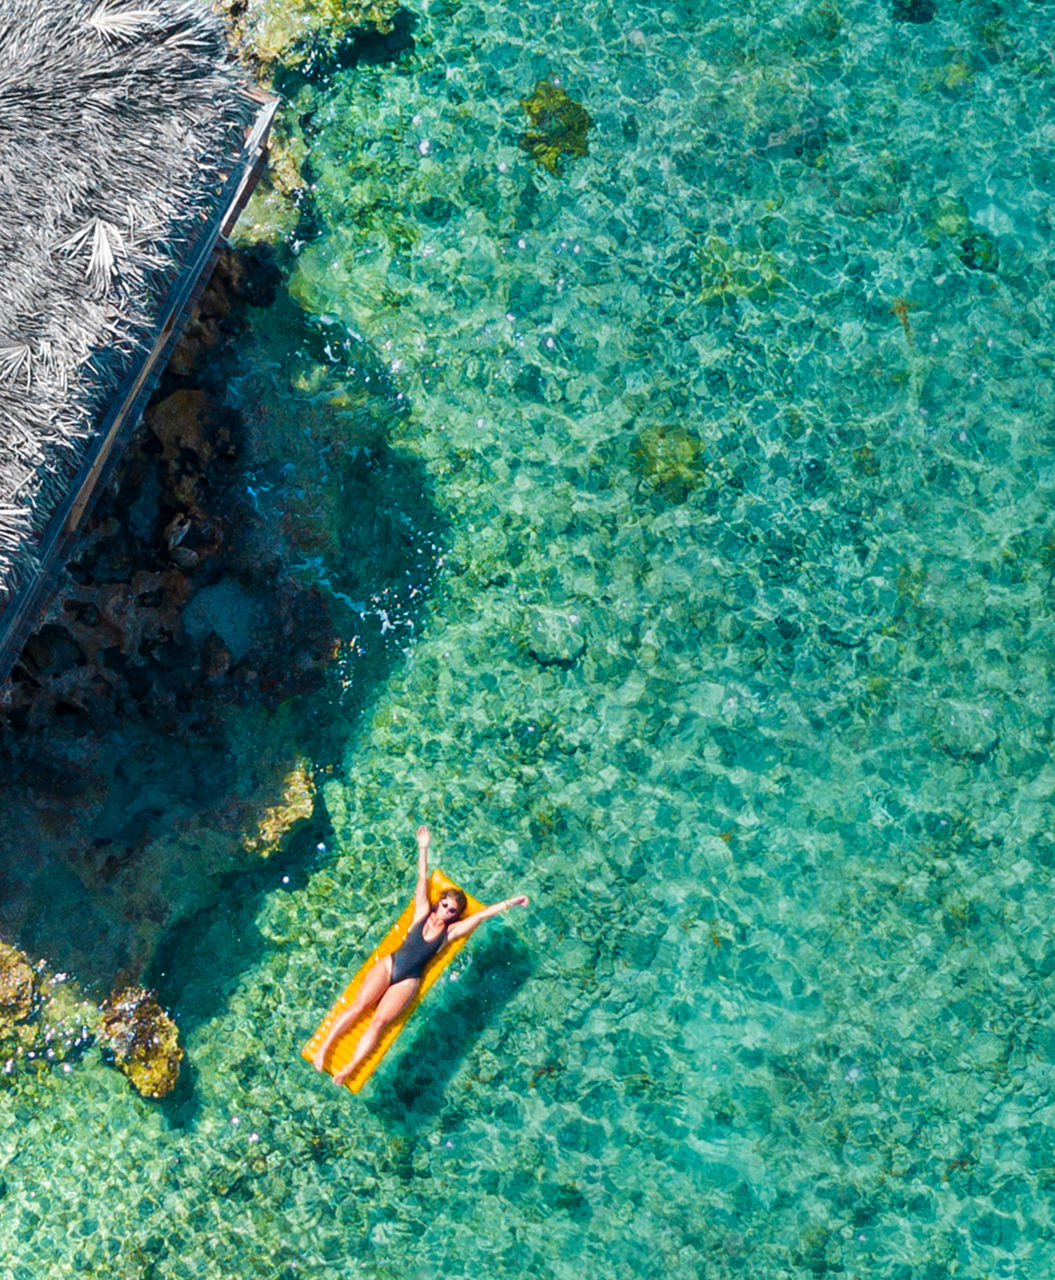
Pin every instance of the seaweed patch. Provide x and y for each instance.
(559, 126)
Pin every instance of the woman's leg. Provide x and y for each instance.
(375, 984)
(389, 1007)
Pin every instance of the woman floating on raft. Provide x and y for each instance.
(393, 981)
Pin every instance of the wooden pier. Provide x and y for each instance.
(21, 612)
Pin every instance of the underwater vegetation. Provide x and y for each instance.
(669, 459)
(901, 307)
(733, 271)
(559, 126)
(975, 247)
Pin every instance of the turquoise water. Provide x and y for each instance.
(707, 488)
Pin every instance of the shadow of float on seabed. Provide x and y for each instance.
(412, 1084)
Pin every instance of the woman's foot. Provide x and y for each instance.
(340, 1077)
(319, 1061)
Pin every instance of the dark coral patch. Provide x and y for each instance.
(914, 10)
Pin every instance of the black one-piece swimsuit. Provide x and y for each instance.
(415, 953)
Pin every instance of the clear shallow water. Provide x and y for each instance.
(731, 452)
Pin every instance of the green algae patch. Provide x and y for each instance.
(270, 217)
(143, 1040)
(958, 72)
(949, 222)
(669, 460)
(866, 461)
(825, 22)
(274, 208)
(729, 272)
(559, 126)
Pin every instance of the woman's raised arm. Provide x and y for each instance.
(421, 890)
(462, 928)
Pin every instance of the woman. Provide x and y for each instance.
(392, 983)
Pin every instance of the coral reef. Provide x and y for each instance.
(143, 1039)
(559, 126)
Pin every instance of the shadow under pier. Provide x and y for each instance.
(195, 678)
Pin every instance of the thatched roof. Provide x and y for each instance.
(119, 122)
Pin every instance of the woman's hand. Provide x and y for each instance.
(520, 901)
(424, 837)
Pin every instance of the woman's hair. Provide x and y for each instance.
(458, 897)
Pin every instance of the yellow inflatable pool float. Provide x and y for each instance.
(341, 1052)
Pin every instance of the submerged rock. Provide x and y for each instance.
(17, 986)
(143, 1039)
(805, 139)
(297, 805)
(43, 1023)
(965, 732)
(559, 126)
(184, 421)
(290, 31)
(669, 459)
(979, 252)
(554, 637)
(974, 246)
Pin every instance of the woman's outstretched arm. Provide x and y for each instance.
(421, 890)
(462, 928)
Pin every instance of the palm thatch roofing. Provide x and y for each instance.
(120, 122)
